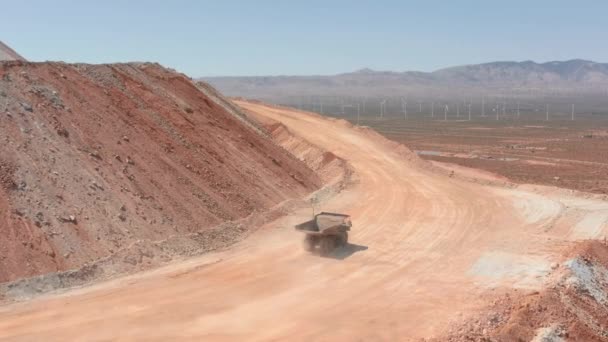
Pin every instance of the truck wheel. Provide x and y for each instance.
(309, 243)
(326, 245)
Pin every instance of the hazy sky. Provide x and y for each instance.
(257, 37)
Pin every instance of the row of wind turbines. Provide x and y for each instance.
(496, 110)
(468, 105)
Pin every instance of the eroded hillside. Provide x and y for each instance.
(95, 158)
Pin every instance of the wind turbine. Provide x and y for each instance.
(382, 108)
(469, 111)
(445, 113)
(321, 105)
(364, 99)
(404, 106)
(572, 112)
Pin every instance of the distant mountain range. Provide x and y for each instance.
(572, 77)
(574, 71)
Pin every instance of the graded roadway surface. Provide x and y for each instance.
(426, 250)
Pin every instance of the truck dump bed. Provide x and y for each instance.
(325, 223)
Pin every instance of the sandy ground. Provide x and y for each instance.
(567, 154)
(426, 250)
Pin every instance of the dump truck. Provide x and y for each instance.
(325, 231)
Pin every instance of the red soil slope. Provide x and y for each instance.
(96, 158)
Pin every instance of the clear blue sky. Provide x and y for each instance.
(208, 38)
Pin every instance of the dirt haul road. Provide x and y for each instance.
(426, 250)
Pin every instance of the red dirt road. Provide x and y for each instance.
(426, 250)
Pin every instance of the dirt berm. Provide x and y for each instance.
(99, 159)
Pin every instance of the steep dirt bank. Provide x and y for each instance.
(95, 158)
(329, 167)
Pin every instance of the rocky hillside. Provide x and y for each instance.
(95, 158)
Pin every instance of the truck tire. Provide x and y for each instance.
(309, 243)
(326, 245)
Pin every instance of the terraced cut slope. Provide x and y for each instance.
(108, 161)
(429, 252)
